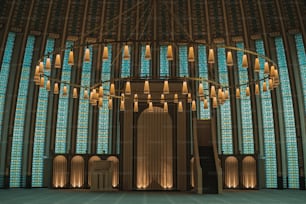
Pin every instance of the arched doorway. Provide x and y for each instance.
(154, 156)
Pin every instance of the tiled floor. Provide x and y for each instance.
(45, 196)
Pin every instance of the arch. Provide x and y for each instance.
(249, 172)
(154, 150)
(90, 164)
(59, 171)
(115, 179)
(77, 172)
(231, 172)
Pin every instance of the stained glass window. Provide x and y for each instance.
(291, 145)
(63, 103)
(246, 109)
(183, 61)
(203, 73)
(268, 128)
(145, 64)
(40, 128)
(18, 134)
(164, 63)
(104, 113)
(125, 65)
(82, 130)
(225, 109)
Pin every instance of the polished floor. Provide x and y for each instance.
(46, 196)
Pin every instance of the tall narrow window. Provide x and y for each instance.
(82, 134)
(290, 134)
(125, 65)
(246, 109)
(225, 122)
(203, 73)
(183, 61)
(268, 128)
(163, 64)
(4, 73)
(62, 113)
(145, 63)
(302, 62)
(104, 112)
(40, 128)
(17, 143)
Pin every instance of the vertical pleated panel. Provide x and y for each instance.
(231, 172)
(77, 172)
(249, 172)
(59, 171)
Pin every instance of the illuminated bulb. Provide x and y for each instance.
(75, 93)
(189, 100)
(122, 105)
(229, 59)
(247, 91)
(48, 64)
(211, 56)
(256, 89)
(150, 107)
(266, 68)
(245, 61)
(215, 103)
(126, 52)
(166, 107)
(191, 54)
(148, 52)
(184, 88)
(180, 107)
(166, 87)
(57, 61)
(85, 94)
(128, 88)
(71, 58)
(264, 86)
(65, 90)
(162, 98)
(220, 93)
(200, 89)
(193, 106)
(272, 71)
(41, 67)
(42, 82)
(48, 85)
(87, 55)
(212, 91)
(110, 103)
(105, 53)
(257, 65)
(175, 98)
(169, 53)
(55, 91)
(146, 87)
(205, 104)
(112, 89)
(149, 98)
(135, 97)
(276, 78)
(136, 106)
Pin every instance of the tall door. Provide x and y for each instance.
(154, 154)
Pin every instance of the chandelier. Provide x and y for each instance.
(217, 94)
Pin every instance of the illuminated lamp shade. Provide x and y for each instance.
(146, 87)
(169, 53)
(223, 97)
(126, 52)
(189, 100)
(229, 59)
(205, 104)
(271, 84)
(87, 55)
(237, 93)
(166, 87)
(92, 98)
(148, 52)
(85, 94)
(100, 102)
(264, 86)
(215, 103)
(65, 90)
(57, 63)
(191, 54)
(110, 103)
(245, 61)
(180, 107)
(71, 58)
(212, 91)
(105, 53)
(135, 97)
(266, 68)
(37, 76)
(276, 78)
(55, 91)
(42, 82)
(184, 88)
(112, 89)
(166, 107)
(41, 67)
(200, 89)
(48, 64)
(48, 85)
(247, 91)
(220, 94)
(149, 98)
(150, 107)
(101, 91)
(162, 98)
(226, 94)
(256, 89)
(193, 106)
(136, 106)
(122, 97)
(75, 93)
(122, 105)
(272, 71)
(175, 98)
(128, 88)
(211, 56)
(257, 65)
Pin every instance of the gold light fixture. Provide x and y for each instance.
(211, 56)
(244, 61)
(57, 61)
(146, 88)
(166, 87)
(191, 54)
(169, 53)
(87, 55)
(128, 88)
(229, 59)
(71, 58)
(180, 107)
(126, 53)
(148, 52)
(105, 53)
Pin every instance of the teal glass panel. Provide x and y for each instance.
(246, 109)
(203, 73)
(18, 134)
(290, 133)
(183, 61)
(41, 128)
(164, 63)
(63, 103)
(125, 65)
(145, 64)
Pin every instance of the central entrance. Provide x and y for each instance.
(154, 154)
